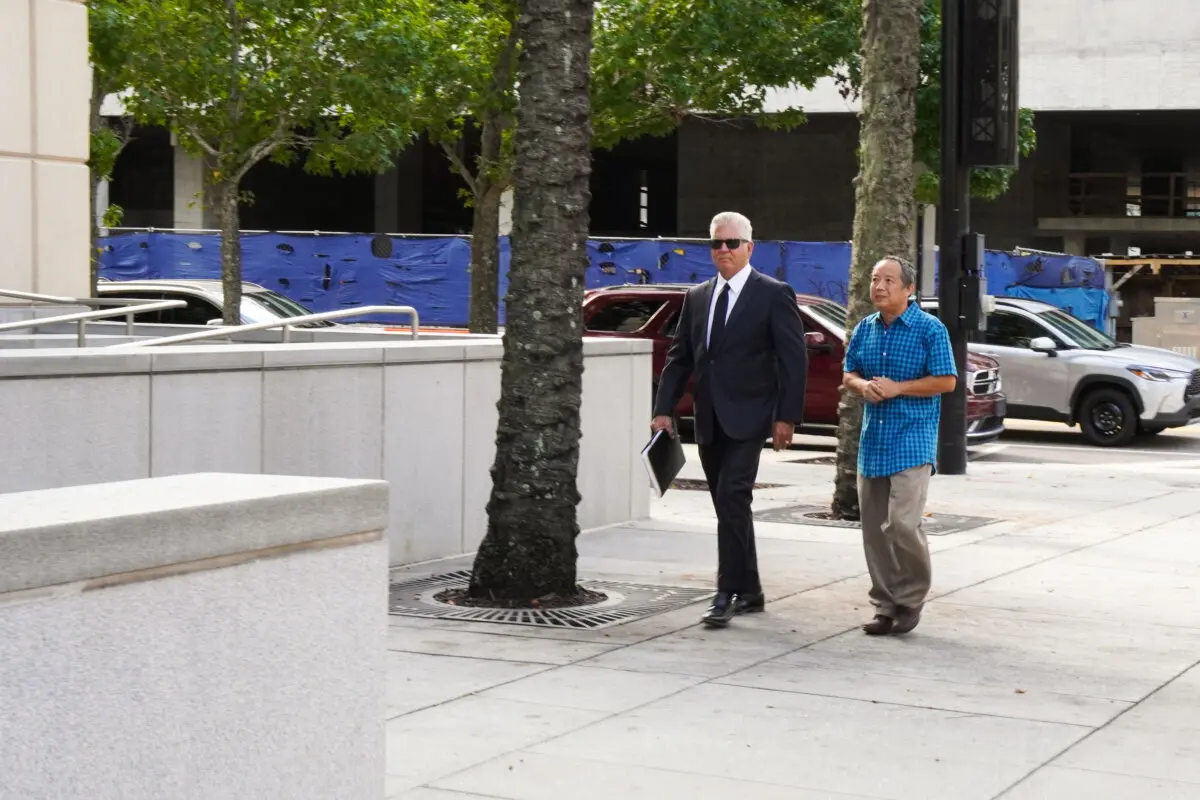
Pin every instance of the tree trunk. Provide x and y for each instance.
(485, 258)
(884, 202)
(529, 550)
(231, 250)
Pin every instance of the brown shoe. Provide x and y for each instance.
(907, 619)
(880, 626)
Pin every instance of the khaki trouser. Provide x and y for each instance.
(893, 510)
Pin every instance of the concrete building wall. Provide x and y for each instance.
(45, 83)
(796, 185)
(1084, 55)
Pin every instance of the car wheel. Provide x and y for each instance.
(1108, 418)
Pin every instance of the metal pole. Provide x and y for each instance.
(953, 219)
(81, 335)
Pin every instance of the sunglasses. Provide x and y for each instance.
(732, 244)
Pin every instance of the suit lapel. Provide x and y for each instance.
(749, 295)
(706, 294)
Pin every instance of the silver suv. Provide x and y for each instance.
(1059, 369)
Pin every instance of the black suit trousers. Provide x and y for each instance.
(731, 467)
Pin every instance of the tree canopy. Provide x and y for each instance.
(986, 184)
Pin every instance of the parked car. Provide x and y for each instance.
(1060, 369)
(205, 301)
(651, 311)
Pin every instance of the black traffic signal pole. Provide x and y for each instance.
(953, 223)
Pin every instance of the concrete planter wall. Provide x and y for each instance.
(194, 637)
(421, 415)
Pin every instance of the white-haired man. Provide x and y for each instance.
(741, 334)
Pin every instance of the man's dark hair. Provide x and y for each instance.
(908, 272)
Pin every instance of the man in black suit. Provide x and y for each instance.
(742, 336)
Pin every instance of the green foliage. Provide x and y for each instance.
(243, 80)
(986, 184)
(106, 144)
(657, 62)
(113, 216)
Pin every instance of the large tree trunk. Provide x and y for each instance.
(228, 214)
(485, 258)
(884, 203)
(529, 550)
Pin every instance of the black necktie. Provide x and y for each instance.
(718, 323)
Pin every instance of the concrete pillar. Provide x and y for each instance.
(45, 84)
(506, 212)
(1075, 244)
(387, 198)
(190, 211)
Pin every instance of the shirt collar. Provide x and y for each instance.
(736, 282)
(909, 315)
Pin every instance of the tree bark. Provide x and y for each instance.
(884, 201)
(229, 217)
(485, 257)
(492, 178)
(529, 549)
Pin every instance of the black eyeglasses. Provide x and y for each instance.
(732, 244)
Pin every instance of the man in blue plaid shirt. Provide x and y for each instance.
(899, 360)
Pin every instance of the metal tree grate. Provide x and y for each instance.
(935, 524)
(693, 485)
(626, 602)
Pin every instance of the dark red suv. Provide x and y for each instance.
(651, 311)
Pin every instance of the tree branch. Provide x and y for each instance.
(461, 167)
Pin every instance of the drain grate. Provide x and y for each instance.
(626, 602)
(691, 485)
(935, 524)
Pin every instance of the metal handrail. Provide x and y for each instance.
(83, 317)
(286, 324)
(75, 301)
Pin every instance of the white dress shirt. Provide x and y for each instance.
(736, 284)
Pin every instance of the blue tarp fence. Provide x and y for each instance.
(325, 272)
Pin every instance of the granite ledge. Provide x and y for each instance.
(58, 536)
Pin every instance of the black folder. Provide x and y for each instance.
(663, 458)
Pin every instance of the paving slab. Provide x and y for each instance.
(821, 743)
(491, 645)
(533, 776)
(1060, 783)
(417, 680)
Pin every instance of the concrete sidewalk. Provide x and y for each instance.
(1058, 660)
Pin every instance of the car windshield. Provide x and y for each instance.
(832, 313)
(270, 306)
(1085, 335)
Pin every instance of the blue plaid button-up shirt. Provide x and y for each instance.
(900, 433)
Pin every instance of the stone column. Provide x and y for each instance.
(190, 211)
(45, 83)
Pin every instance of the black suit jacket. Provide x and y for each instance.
(758, 374)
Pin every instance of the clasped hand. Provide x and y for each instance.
(877, 390)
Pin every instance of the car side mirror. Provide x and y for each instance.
(818, 342)
(1044, 344)
(218, 322)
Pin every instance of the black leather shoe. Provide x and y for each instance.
(749, 603)
(720, 612)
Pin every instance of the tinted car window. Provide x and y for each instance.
(1005, 329)
(624, 316)
(198, 311)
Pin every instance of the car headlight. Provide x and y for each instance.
(1159, 373)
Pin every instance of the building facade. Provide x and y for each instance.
(45, 83)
